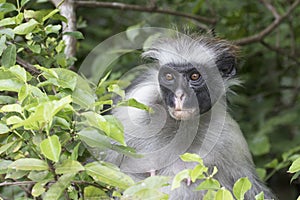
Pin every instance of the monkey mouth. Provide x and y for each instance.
(182, 114)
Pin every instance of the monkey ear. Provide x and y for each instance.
(226, 64)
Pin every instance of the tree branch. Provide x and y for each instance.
(67, 9)
(271, 8)
(281, 51)
(261, 35)
(150, 9)
(29, 67)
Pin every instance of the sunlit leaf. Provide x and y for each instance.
(295, 167)
(223, 194)
(51, 148)
(11, 108)
(108, 175)
(189, 157)
(26, 27)
(56, 190)
(209, 184)
(9, 56)
(240, 187)
(260, 196)
(3, 128)
(7, 7)
(29, 164)
(92, 193)
(76, 34)
(93, 138)
(69, 166)
(184, 174)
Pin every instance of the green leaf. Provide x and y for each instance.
(53, 12)
(35, 48)
(148, 188)
(295, 176)
(44, 113)
(3, 128)
(223, 194)
(15, 174)
(26, 27)
(7, 99)
(261, 172)
(29, 164)
(38, 189)
(134, 103)
(117, 90)
(69, 166)
(76, 34)
(240, 187)
(108, 124)
(260, 196)
(40, 175)
(19, 18)
(8, 32)
(260, 145)
(209, 184)
(74, 155)
(273, 164)
(23, 2)
(56, 190)
(108, 175)
(210, 195)
(10, 85)
(93, 138)
(52, 29)
(7, 21)
(6, 146)
(83, 95)
(11, 108)
(116, 129)
(63, 77)
(295, 167)
(4, 166)
(197, 172)
(2, 43)
(7, 7)
(93, 193)
(9, 56)
(51, 148)
(189, 157)
(184, 174)
(19, 72)
(13, 120)
(104, 79)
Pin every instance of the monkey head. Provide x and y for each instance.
(192, 74)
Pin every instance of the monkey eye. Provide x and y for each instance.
(195, 76)
(169, 77)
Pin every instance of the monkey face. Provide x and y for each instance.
(184, 91)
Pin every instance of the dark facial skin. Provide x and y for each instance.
(184, 90)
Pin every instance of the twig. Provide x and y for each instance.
(29, 67)
(5, 183)
(281, 51)
(150, 9)
(271, 8)
(261, 35)
(18, 183)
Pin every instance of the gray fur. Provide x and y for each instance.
(215, 136)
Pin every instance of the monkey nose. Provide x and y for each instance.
(180, 95)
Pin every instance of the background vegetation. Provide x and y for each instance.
(41, 132)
